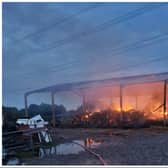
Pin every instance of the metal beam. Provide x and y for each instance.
(138, 79)
(121, 102)
(84, 103)
(53, 109)
(164, 103)
(26, 105)
(81, 94)
(136, 102)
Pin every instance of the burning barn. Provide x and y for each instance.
(124, 99)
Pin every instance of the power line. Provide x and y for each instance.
(77, 62)
(65, 19)
(144, 62)
(141, 43)
(116, 20)
(139, 64)
(113, 21)
(129, 15)
(136, 45)
(129, 66)
(146, 42)
(120, 68)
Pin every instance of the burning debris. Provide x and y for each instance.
(109, 118)
(133, 105)
(135, 111)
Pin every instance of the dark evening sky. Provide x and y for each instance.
(51, 43)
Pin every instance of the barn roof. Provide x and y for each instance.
(138, 79)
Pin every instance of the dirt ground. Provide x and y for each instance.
(118, 147)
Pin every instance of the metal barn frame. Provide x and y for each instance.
(121, 82)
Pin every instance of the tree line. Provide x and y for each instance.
(11, 114)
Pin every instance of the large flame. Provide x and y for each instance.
(146, 99)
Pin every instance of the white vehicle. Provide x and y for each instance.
(35, 122)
